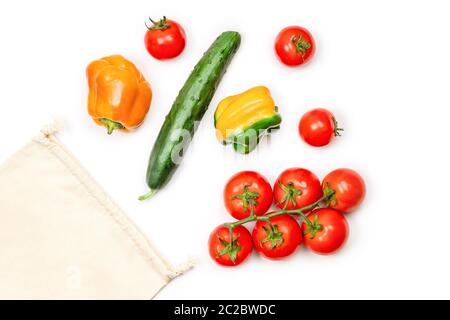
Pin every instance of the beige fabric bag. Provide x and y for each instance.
(66, 239)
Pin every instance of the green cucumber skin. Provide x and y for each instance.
(189, 107)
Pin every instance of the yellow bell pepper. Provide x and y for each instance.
(119, 96)
(242, 119)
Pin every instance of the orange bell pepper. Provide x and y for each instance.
(119, 96)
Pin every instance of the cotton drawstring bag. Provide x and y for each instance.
(62, 237)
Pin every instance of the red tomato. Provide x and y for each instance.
(349, 188)
(165, 39)
(230, 253)
(294, 46)
(318, 127)
(244, 190)
(329, 232)
(296, 188)
(279, 242)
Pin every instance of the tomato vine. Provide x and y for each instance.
(313, 226)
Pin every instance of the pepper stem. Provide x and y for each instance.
(148, 195)
(111, 125)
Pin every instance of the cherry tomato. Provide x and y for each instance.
(245, 190)
(296, 188)
(328, 231)
(165, 39)
(318, 127)
(349, 188)
(279, 241)
(294, 46)
(227, 252)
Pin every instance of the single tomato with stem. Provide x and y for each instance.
(325, 231)
(230, 246)
(294, 46)
(277, 237)
(296, 188)
(318, 127)
(349, 189)
(164, 39)
(247, 192)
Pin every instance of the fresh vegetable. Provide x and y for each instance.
(278, 234)
(318, 127)
(243, 118)
(278, 237)
(294, 46)
(165, 39)
(187, 111)
(230, 248)
(119, 96)
(247, 191)
(326, 232)
(349, 189)
(296, 188)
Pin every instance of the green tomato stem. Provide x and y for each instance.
(297, 212)
(158, 25)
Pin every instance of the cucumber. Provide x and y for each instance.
(187, 111)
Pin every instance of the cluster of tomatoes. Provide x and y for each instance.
(310, 212)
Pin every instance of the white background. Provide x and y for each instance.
(382, 67)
